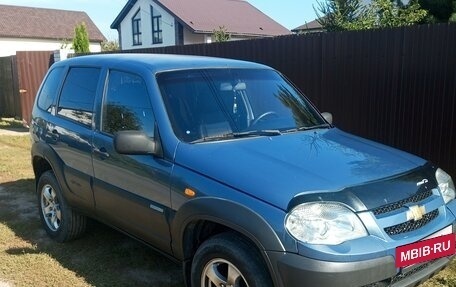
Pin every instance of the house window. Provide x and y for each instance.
(157, 37)
(179, 33)
(136, 27)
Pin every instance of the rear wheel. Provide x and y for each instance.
(59, 220)
(228, 260)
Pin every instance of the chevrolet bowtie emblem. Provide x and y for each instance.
(416, 212)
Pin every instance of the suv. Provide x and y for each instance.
(227, 167)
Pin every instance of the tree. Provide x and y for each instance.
(64, 44)
(439, 10)
(81, 39)
(221, 35)
(109, 46)
(337, 15)
(340, 15)
(390, 14)
(453, 17)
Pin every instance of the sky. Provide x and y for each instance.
(289, 13)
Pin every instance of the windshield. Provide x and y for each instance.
(218, 104)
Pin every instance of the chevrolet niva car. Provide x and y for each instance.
(225, 166)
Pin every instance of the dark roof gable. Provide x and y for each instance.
(312, 25)
(41, 23)
(204, 16)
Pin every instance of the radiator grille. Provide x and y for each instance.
(411, 224)
(398, 204)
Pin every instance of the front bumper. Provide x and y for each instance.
(295, 270)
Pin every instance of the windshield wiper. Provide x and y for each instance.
(213, 138)
(239, 135)
(314, 127)
(308, 128)
(265, 133)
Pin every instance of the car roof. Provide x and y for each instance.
(157, 62)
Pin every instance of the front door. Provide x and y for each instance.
(131, 191)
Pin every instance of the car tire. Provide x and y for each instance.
(228, 255)
(59, 220)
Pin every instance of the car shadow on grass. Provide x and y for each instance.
(102, 257)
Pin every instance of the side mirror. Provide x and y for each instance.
(134, 142)
(328, 117)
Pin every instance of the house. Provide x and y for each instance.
(38, 29)
(311, 27)
(158, 23)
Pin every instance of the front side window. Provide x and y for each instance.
(49, 90)
(157, 37)
(127, 105)
(78, 94)
(217, 104)
(136, 28)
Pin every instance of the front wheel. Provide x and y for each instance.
(228, 260)
(59, 220)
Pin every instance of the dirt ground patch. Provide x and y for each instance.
(14, 132)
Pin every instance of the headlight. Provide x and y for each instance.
(324, 223)
(446, 185)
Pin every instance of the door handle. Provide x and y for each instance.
(101, 152)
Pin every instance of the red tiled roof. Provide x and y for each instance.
(204, 16)
(40, 23)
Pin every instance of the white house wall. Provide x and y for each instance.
(9, 46)
(168, 29)
(192, 38)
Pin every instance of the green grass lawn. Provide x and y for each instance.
(28, 257)
(10, 123)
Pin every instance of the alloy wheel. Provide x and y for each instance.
(50, 207)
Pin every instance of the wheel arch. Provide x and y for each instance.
(201, 218)
(44, 159)
(40, 166)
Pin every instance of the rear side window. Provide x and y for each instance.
(78, 94)
(48, 93)
(127, 105)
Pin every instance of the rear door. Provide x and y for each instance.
(70, 132)
(131, 191)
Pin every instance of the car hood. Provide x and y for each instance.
(279, 168)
